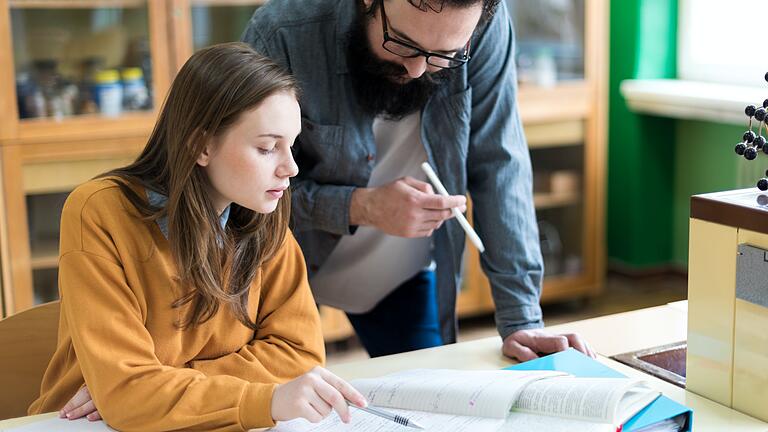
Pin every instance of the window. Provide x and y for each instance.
(723, 41)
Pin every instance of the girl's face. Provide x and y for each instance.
(251, 163)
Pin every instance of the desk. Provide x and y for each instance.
(609, 335)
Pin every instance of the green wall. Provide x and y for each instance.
(656, 164)
(641, 150)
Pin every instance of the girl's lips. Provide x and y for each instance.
(275, 193)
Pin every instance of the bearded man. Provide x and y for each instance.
(387, 85)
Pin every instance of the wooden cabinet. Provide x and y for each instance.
(565, 122)
(66, 119)
(54, 134)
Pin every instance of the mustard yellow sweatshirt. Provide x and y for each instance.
(117, 330)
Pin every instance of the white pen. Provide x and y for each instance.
(405, 421)
(473, 237)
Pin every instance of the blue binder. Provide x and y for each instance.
(578, 364)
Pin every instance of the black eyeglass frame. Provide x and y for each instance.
(424, 5)
(461, 60)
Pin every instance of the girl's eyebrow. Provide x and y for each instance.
(270, 136)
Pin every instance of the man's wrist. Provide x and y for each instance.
(358, 214)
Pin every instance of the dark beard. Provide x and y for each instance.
(375, 91)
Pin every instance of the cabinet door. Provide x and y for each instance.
(82, 66)
(560, 72)
(550, 40)
(202, 23)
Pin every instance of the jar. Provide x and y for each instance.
(108, 92)
(135, 94)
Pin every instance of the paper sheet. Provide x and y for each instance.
(364, 422)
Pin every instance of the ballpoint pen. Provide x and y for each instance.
(473, 237)
(405, 421)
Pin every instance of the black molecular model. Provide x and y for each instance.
(752, 144)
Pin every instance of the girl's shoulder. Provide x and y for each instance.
(99, 209)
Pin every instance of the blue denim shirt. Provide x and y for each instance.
(472, 134)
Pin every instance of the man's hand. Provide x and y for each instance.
(524, 345)
(80, 405)
(405, 208)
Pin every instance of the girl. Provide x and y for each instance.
(184, 296)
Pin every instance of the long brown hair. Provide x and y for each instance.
(215, 266)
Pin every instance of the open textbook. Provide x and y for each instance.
(505, 401)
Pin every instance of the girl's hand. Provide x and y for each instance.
(313, 396)
(80, 405)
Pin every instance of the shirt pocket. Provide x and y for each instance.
(319, 150)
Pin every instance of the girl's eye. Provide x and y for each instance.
(267, 151)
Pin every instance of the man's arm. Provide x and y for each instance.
(500, 183)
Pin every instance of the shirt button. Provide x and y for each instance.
(371, 157)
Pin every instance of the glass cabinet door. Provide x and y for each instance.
(550, 40)
(79, 57)
(220, 21)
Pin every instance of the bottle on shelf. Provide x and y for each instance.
(108, 92)
(135, 94)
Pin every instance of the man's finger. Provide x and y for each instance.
(518, 351)
(440, 202)
(418, 185)
(577, 342)
(548, 343)
(94, 416)
(437, 215)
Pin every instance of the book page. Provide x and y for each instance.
(590, 399)
(525, 422)
(364, 422)
(467, 393)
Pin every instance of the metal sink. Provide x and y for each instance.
(666, 362)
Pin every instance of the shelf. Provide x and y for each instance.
(544, 201)
(563, 102)
(75, 4)
(555, 134)
(45, 256)
(90, 127)
(63, 176)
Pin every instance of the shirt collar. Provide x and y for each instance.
(159, 200)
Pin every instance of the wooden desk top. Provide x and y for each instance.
(609, 335)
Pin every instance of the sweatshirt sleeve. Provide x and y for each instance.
(289, 340)
(129, 385)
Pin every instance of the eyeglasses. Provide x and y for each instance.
(404, 49)
(435, 5)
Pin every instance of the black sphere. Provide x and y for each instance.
(766, 76)
(766, 173)
(750, 153)
(765, 103)
(762, 184)
(765, 150)
(760, 114)
(759, 142)
(750, 110)
(748, 136)
(740, 147)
